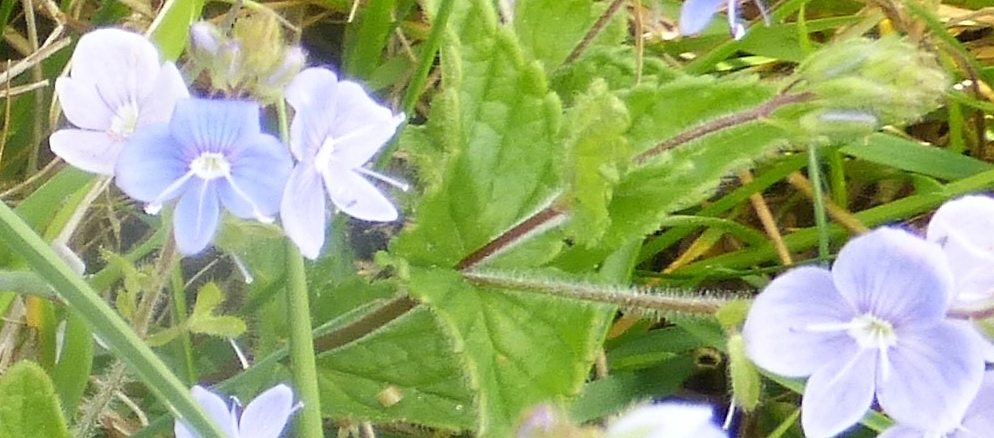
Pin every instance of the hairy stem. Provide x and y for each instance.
(557, 210)
(635, 299)
(511, 236)
(595, 30)
(365, 325)
(729, 121)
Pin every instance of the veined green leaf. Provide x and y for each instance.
(550, 29)
(521, 349)
(30, 407)
(690, 171)
(597, 157)
(407, 370)
(498, 125)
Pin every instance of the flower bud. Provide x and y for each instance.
(226, 68)
(746, 384)
(841, 124)
(293, 61)
(205, 39)
(858, 80)
(260, 34)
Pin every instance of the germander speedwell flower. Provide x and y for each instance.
(872, 328)
(336, 129)
(667, 420)
(964, 228)
(695, 15)
(264, 417)
(211, 153)
(977, 421)
(116, 86)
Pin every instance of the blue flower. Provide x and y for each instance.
(264, 417)
(116, 86)
(695, 15)
(872, 328)
(336, 129)
(211, 153)
(977, 421)
(667, 420)
(963, 227)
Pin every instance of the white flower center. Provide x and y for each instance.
(870, 331)
(210, 165)
(125, 120)
(324, 153)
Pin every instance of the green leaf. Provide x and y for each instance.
(498, 125)
(550, 29)
(617, 65)
(619, 390)
(495, 133)
(71, 374)
(597, 157)
(521, 349)
(171, 28)
(30, 408)
(689, 172)
(407, 370)
(912, 156)
(204, 321)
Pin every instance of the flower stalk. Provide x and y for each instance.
(304, 366)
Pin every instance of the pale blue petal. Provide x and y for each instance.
(149, 164)
(838, 395)
(695, 15)
(963, 228)
(667, 420)
(341, 112)
(158, 105)
(118, 63)
(216, 408)
(311, 93)
(359, 126)
(92, 151)
(303, 211)
(776, 333)
(357, 197)
(895, 276)
(202, 125)
(899, 431)
(259, 169)
(183, 430)
(978, 421)
(268, 414)
(82, 104)
(936, 372)
(196, 217)
(312, 88)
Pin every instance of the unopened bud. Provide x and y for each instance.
(293, 61)
(746, 384)
(888, 79)
(841, 124)
(205, 39)
(226, 69)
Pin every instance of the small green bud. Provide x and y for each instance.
(858, 80)
(260, 34)
(205, 39)
(746, 384)
(294, 60)
(841, 124)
